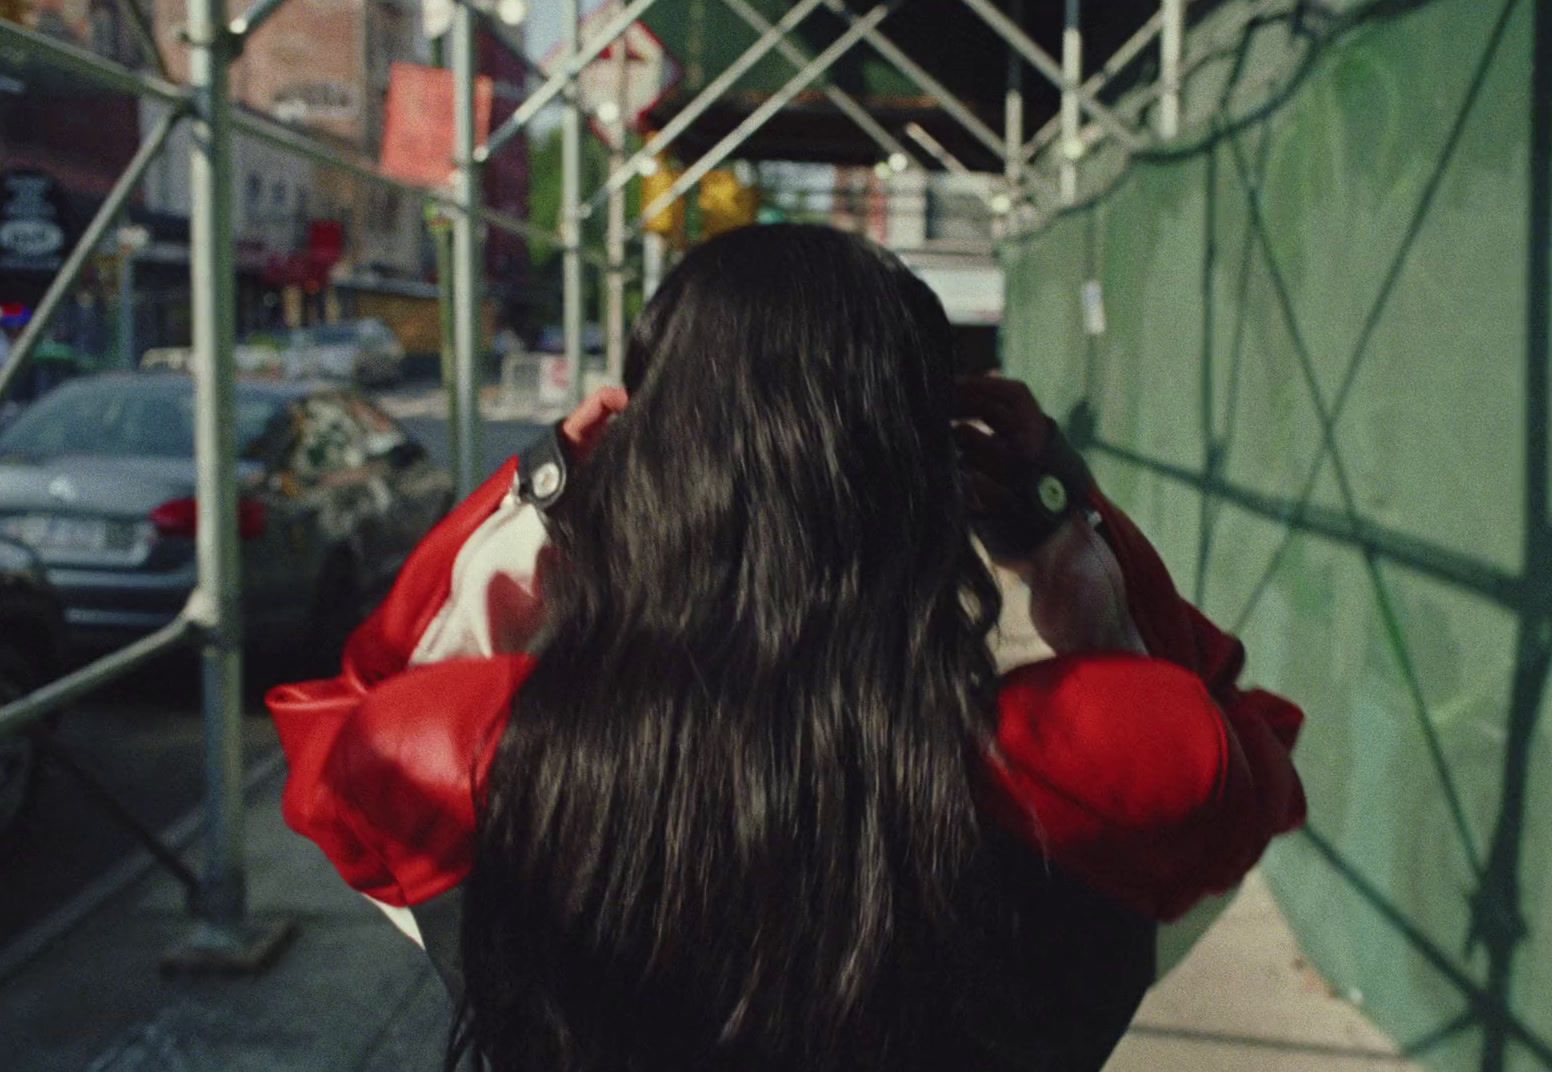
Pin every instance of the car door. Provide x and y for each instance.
(333, 463)
(420, 491)
(279, 564)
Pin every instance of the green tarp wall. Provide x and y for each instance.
(1321, 386)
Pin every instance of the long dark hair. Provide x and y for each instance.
(731, 819)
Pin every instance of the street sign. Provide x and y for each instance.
(650, 72)
(419, 122)
(35, 233)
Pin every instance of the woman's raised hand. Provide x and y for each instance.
(1077, 593)
(586, 424)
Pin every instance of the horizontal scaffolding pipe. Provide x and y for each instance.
(761, 115)
(556, 85)
(116, 76)
(70, 270)
(42, 702)
(90, 66)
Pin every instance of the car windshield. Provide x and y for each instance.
(153, 418)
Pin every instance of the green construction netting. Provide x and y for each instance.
(1321, 387)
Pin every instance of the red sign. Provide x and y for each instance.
(650, 71)
(326, 241)
(418, 131)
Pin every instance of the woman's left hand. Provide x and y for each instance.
(583, 429)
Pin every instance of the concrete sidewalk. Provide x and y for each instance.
(350, 994)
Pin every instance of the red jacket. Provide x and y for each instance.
(1154, 779)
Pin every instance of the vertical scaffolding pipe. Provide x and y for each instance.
(654, 258)
(1072, 78)
(614, 312)
(571, 199)
(1171, 44)
(468, 253)
(126, 325)
(220, 900)
(1013, 112)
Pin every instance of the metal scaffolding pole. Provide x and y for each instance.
(45, 700)
(468, 259)
(761, 115)
(254, 17)
(1041, 61)
(843, 101)
(576, 59)
(1096, 81)
(929, 85)
(571, 198)
(712, 92)
(614, 310)
(70, 271)
(998, 204)
(1072, 75)
(935, 149)
(221, 900)
(1013, 113)
(1171, 44)
(116, 76)
(89, 65)
(140, 25)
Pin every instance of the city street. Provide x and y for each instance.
(141, 738)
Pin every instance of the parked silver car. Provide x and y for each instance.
(360, 351)
(98, 478)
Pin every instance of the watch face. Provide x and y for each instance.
(546, 480)
(541, 470)
(1053, 495)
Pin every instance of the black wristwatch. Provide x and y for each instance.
(542, 469)
(1055, 489)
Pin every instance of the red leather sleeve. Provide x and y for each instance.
(385, 782)
(384, 758)
(382, 645)
(1154, 778)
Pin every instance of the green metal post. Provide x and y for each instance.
(212, 267)
(614, 305)
(441, 228)
(468, 252)
(1171, 45)
(1072, 78)
(570, 209)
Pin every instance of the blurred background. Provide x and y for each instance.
(304, 273)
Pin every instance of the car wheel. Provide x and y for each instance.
(18, 754)
(336, 610)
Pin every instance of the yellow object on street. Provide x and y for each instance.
(670, 221)
(726, 203)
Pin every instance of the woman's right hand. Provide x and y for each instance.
(1077, 594)
(1077, 597)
